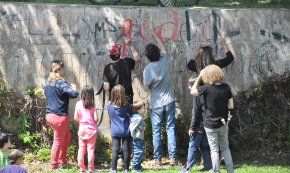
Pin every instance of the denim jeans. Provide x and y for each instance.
(218, 139)
(138, 148)
(198, 140)
(157, 114)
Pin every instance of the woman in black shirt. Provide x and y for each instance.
(204, 57)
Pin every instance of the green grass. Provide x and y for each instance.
(178, 3)
(238, 169)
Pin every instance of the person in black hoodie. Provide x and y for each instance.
(197, 135)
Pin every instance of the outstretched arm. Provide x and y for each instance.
(224, 44)
(159, 42)
(229, 56)
(194, 90)
(135, 54)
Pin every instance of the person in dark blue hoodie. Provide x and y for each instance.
(119, 111)
(58, 92)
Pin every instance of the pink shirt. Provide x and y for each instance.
(85, 116)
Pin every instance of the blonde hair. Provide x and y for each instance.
(212, 74)
(15, 155)
(118, 97)
(56, 71)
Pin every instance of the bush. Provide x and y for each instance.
(43, 154)
(261, 119)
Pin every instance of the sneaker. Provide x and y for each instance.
(112, 171)
(125, 171)
(140, 169)
(158, 162)
(60, 167)
(172, 162)
(182, 169)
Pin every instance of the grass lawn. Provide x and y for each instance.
(238, 169)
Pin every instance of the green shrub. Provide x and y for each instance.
(29, 157)
(43, 153)
(103, 152)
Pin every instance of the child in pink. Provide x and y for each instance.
(86, 115)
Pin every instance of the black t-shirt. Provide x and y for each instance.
(119, 72)
(221, 62)
(216, 98)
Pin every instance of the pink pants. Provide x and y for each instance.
(87, 142)
(61, 138)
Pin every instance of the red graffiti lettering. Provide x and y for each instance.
(126, 32)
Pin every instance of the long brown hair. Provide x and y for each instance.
(87, 95)
(56, 71)
(118, 96)
(203, 58)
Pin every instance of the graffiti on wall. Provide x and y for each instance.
(83, 42)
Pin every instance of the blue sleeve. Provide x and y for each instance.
(147, 77)
(68, 89)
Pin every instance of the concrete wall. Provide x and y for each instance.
(32, 35)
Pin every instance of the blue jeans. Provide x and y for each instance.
(157, 114)
(138, 148)
(198, 140)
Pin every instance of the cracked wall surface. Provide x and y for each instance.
(32, 35)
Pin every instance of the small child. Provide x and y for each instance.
(86, 115)
(137, 127)
(4, 151)
(197, 135)
(119, 112)
(15, 159)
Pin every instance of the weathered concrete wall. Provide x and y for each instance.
(31, 36)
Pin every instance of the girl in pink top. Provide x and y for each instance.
(86, 115)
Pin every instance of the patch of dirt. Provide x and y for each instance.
(38, 167)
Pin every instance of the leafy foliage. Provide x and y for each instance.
(103, 150)
(43, 153)
(261, 117)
